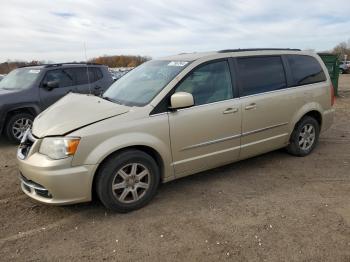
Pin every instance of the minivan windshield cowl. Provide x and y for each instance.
(20, 78)
(141, 85)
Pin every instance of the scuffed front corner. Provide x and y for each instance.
(64, 184)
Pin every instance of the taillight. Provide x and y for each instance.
(332, 95)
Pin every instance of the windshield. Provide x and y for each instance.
(20, 78)
(141, 85)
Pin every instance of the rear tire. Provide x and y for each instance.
(127, 181)
(17, 125)
(304, 137)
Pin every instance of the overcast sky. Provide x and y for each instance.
(56, 30)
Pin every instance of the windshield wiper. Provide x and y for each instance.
(111, 100)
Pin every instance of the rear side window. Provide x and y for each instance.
(261, 74)
(305, 70)
(84, 75)
(64, 77)
(98, 73)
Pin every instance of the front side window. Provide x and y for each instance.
(20, 78)
(261, 74)
(208, 83)
(142, 84)
(63, 76)
(305, 70)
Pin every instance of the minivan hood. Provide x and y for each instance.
(72, 112)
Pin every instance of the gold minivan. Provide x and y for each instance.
(173, 117)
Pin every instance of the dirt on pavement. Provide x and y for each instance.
(274, 207)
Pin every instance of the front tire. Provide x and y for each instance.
(304, 137)
(17, 125)
(127, 181)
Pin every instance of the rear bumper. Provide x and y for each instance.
(55, 182)
(327, 119)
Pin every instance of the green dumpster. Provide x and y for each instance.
(332, 63)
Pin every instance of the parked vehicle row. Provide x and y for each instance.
(27, 91)
(344, 67)
(173, 117)
(119, 72)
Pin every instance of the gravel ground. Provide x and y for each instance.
(274, 207)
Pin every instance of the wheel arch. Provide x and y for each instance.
(10, 112)
(146, 149)
(316, 115)
(30, 109)
(314, 110)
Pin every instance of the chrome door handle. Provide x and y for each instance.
(230, 110)
(250, 107)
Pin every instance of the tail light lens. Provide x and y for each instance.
(332, 95)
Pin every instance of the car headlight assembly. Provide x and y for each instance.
(59, 147)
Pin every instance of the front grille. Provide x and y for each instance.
(26, 144)
(34, 188)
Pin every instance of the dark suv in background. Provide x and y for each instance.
(27, 91)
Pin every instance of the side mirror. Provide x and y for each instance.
(51, 85)
(181, 100)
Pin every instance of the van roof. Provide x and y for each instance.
(254, 51)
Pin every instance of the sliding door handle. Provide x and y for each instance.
(230, 110)
(251, 106)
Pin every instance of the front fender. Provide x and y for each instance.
(122, 141)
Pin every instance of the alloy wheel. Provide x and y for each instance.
(307, 137)
(131, 182)
(20, 127)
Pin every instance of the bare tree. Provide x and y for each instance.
(342, 49)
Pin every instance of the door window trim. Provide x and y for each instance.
(280, 90)
(208, 104)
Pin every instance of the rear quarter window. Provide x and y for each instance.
(305, 70)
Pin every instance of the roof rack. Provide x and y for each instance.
(71, 63)
(59, 64)
(257, 49)
(29, 65)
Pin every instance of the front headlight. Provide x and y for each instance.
(59, 147)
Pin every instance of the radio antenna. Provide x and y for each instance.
(87, 69)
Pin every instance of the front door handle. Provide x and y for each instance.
(251, 106)
(230, 110)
